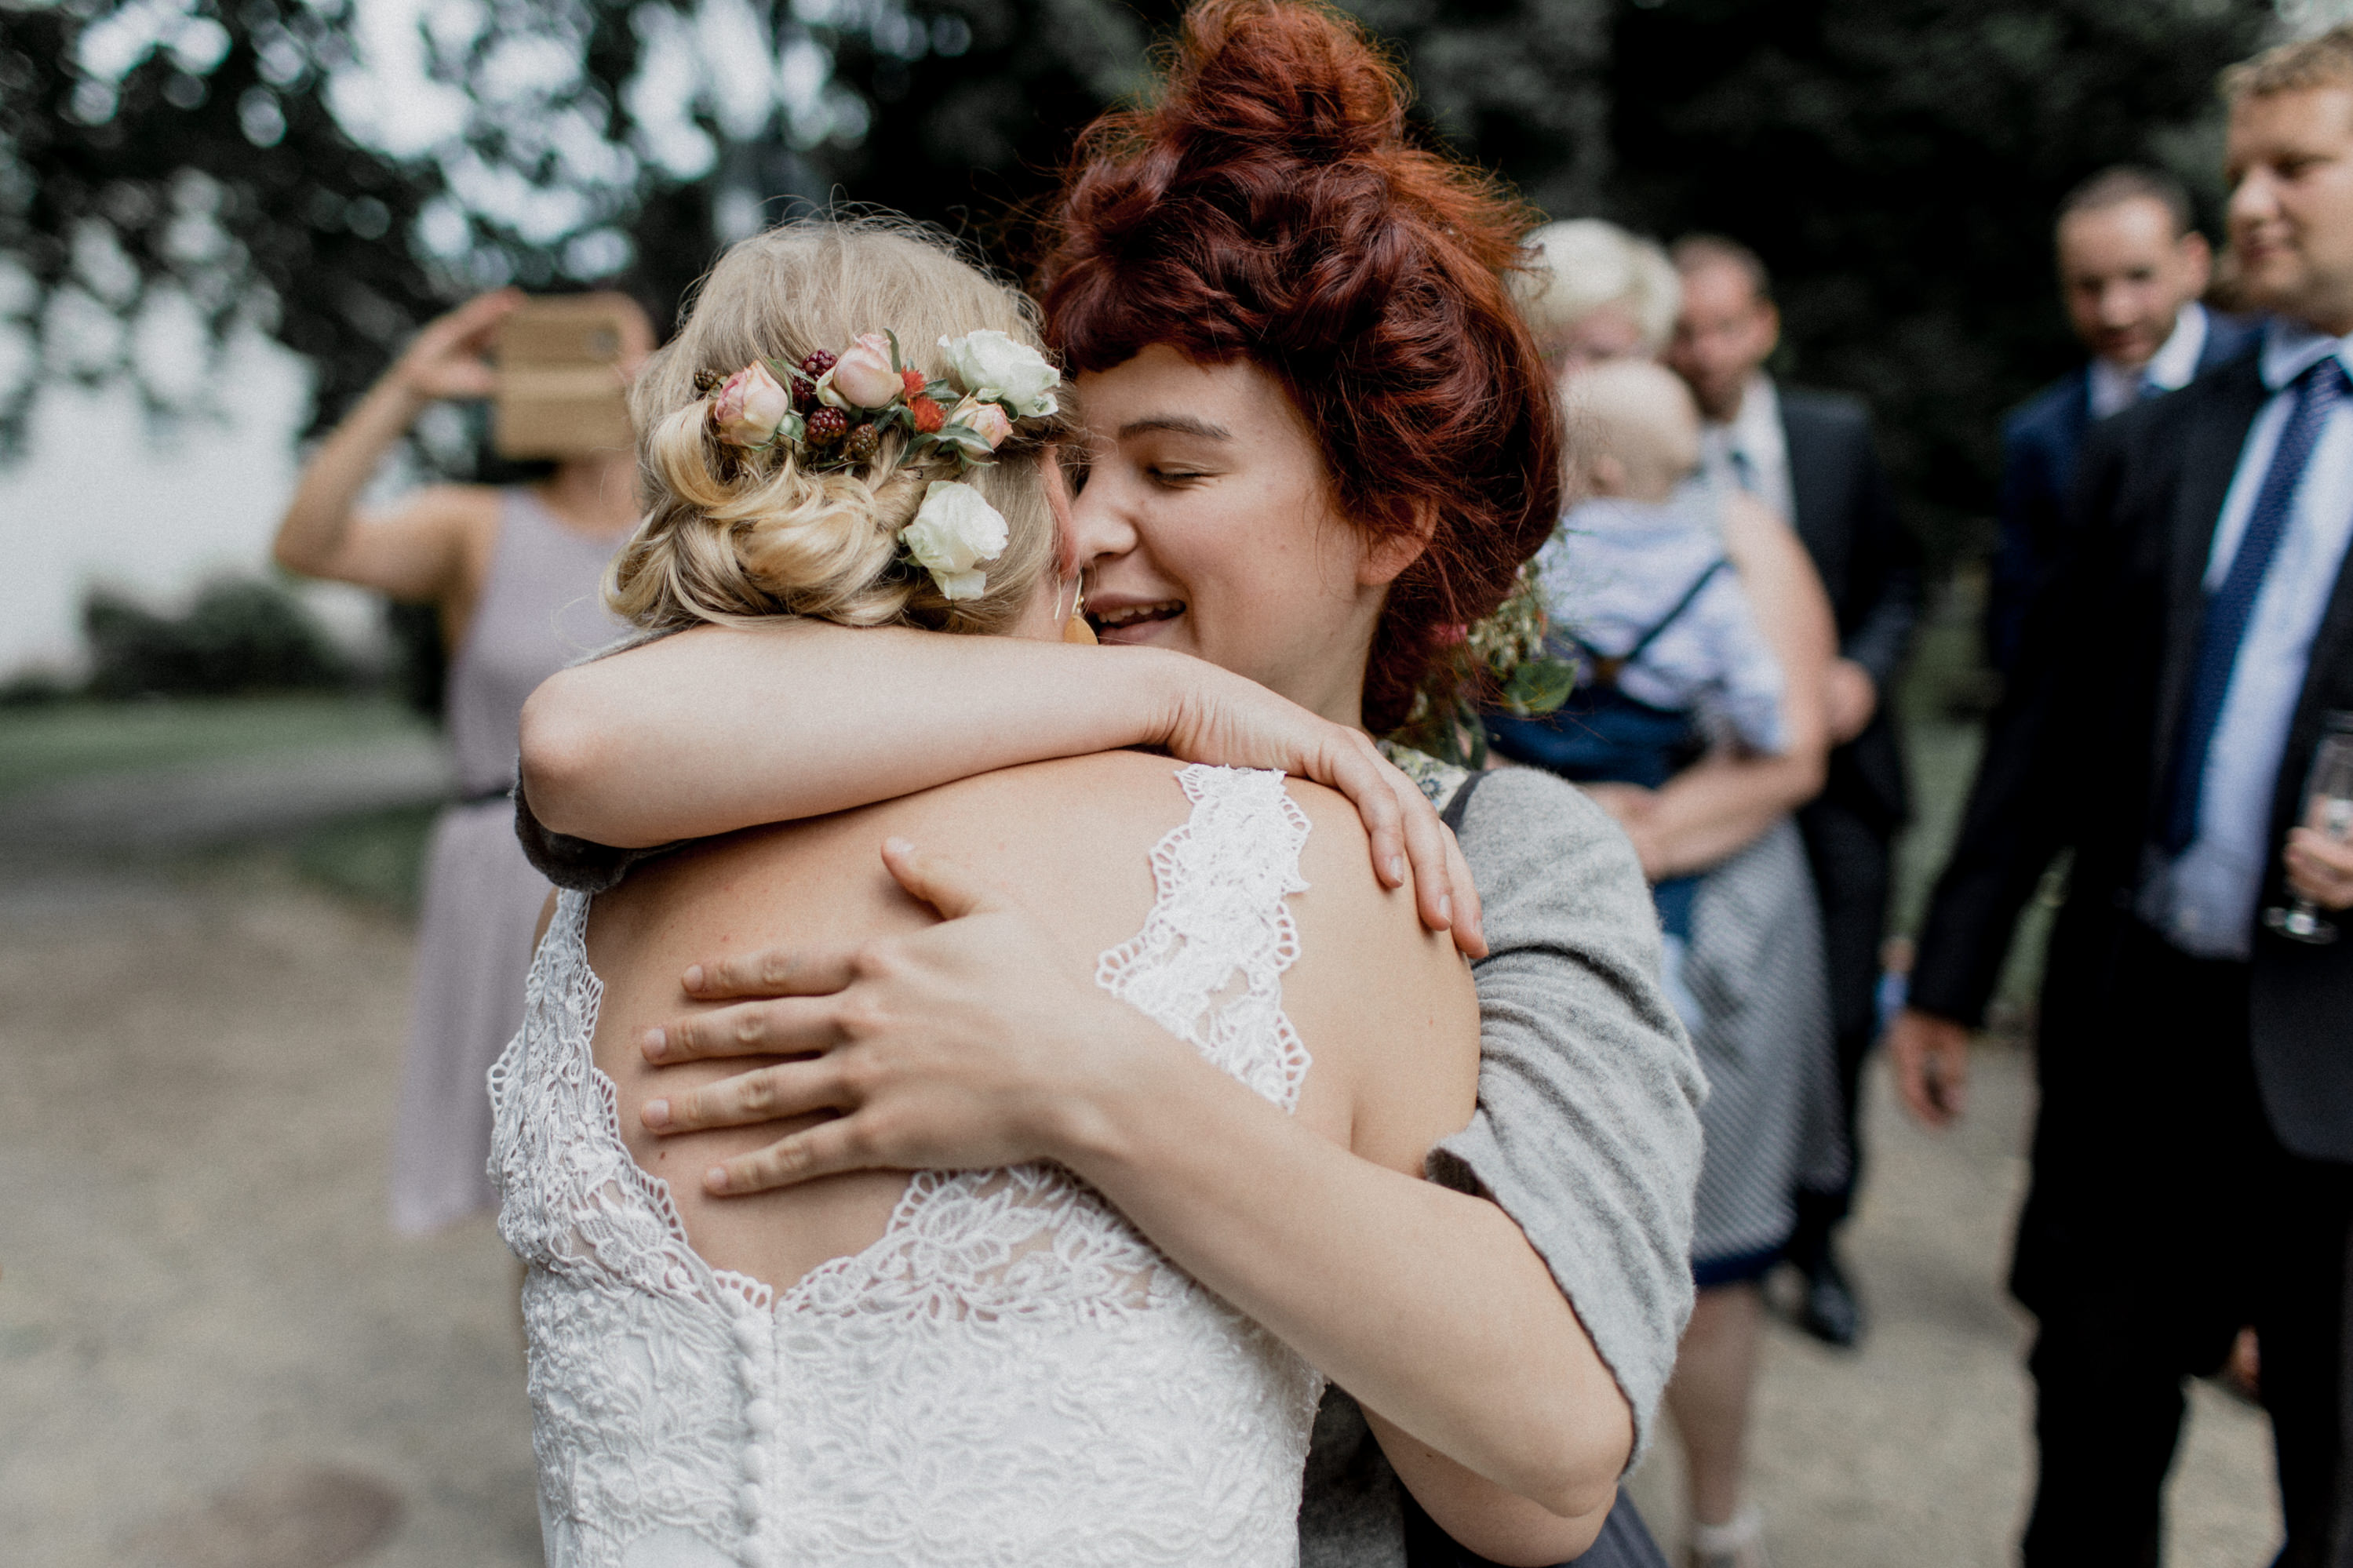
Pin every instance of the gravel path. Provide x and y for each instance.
(213, 1354)
(199, 804)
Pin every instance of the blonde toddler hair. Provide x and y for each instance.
(730, 535)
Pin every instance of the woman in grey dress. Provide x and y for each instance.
(515, 572)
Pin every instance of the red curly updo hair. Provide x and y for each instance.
(1269, 206)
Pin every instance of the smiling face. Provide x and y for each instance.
(2291, 213)
(1727, 329)
(1207, 524)
(2124, 274)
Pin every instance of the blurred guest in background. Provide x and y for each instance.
(2131, 268)
(1810, 457)
(2193, 1156)
(1594, 293)
(515, 572)
(1697, 722)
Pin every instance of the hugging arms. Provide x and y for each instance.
(1500, 1329)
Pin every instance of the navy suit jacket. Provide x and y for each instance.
(1870, 566)
(2077, 755)
(2040, 439)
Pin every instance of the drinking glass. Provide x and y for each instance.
(2328, 810)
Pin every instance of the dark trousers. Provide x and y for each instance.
(2164, 1218)
(1623, 1543)
(1854, 868)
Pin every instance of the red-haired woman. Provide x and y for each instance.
(1322, 441)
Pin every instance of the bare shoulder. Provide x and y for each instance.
(1385, 1006)
(469, 508)
(1064, 814)
(457, 523)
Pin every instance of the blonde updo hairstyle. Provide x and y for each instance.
(731, 535)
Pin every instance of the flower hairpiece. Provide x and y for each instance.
(1509, 659)
(831, 411)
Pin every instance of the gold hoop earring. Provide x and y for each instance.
(1076, 629)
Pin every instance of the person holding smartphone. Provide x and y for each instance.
(514, 572)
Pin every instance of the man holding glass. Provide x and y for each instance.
(2178, 677)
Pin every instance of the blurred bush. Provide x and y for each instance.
(1894, 160)
(239, 637)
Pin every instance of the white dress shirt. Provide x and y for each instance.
(2114, 388)
(1750, 451)
(2205, 900)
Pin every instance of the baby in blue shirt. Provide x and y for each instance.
(1670, 660)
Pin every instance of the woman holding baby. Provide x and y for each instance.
(1702, 642)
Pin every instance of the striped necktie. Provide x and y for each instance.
(2224, 625)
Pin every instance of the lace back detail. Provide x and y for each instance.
(1011, 1376)
(1222, 916)
(556, 1137)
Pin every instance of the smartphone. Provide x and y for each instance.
(560, 389)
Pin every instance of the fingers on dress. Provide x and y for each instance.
(1012, 1375)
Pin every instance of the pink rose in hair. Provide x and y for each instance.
(746, 411)
(988, 421)
(862, 376)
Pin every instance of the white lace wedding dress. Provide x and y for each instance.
(1012, 1375)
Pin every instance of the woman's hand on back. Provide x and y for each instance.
(969, 1045)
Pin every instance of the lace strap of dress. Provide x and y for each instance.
(1209, 964)
(570, 1195)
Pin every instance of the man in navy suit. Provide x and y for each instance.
(2131, 268)
(2193, 1144)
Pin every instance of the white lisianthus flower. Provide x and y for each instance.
(955, 530)
(994, 368)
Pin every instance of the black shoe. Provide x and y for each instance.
(1828, 1310)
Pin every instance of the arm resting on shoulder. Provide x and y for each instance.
(723, 727)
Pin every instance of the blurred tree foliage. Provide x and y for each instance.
(335, 171)
(1897, 164)
(239, 637)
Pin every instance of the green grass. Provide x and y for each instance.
(376, 859)
(56, 743)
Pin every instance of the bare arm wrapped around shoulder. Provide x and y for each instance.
(723, 727)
